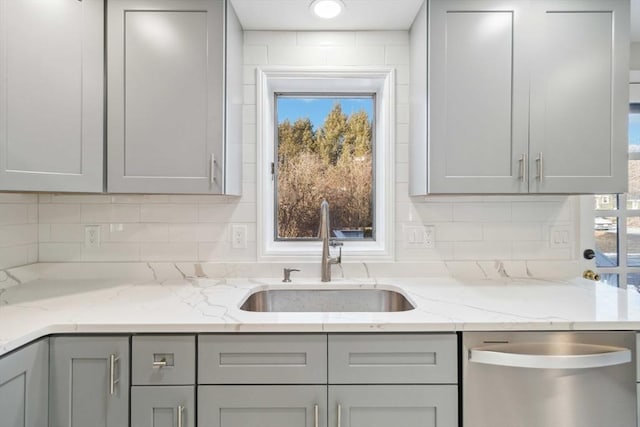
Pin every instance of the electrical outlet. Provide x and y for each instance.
(419, 236)
(91, 236)
(239, 236)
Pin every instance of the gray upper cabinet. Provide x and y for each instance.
(24, 378)
(169, 102)
(519, 97)
(89, 382)
(579, 96)
(51, 87)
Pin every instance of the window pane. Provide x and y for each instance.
(633, 279)
(606, 239)
(634, 128)
(633, 199)
(633, 241)
(606, 202)
(610, 279)
(324, 151)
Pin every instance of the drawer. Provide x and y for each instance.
(163, 406)
(262, 359)
(393, 359)
(164, 360)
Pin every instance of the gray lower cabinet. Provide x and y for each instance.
(24, 376)
(393, 405)
(89, 381)
(163, 406)
(262, 405)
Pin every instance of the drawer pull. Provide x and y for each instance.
(160, 363)
(339, 414)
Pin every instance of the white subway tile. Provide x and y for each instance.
(172, 251)
(112, 252)
(60, 252)
(92, 214)
(483, 250)
(16, 235)
(458, 232)
(249, 74)
(297, 55)
(402, 94)
(80, 198)
(177, 213)
(482, 212)
(372, 55)
(402, 193)
(402, 172)
(249, 114)
(22, 198)
(44, 232)
(396, 55)
(540, 211)
(14, 214)
(68, 233)
(540, 250)
(138, 232)
(55, 214)
(441, 251)
(249, 153)
(249, 136)
(249, 94)
(14, 256)
(272, 38)
(326, 38)
(222, 251)
(44, 198)
(402, 154)
(234, 212)
(402, 133)
(434, 212)
(402, 114)
(512, 231)
(254, 54)
(364, 38)
(32, 214)
(403, 74)
(139, 198)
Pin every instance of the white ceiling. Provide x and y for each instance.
(359, 15)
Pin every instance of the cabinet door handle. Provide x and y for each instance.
(112, 374)
(315, 416)
(540, 167)
(180, 416)
(339, 414)
(523, 167)
(213, 169)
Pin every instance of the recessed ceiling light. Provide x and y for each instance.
(327, 9)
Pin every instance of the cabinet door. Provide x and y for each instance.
(51, 87)
(478, 96)
(165, 80)
(163, 406)
(579, 96)
(263, 405)
(24, 378)
(89, 384)
(393, 405)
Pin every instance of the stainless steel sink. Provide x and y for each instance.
(326, 300)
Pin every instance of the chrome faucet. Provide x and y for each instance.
(325, 230)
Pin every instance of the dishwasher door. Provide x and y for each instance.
(549, 379)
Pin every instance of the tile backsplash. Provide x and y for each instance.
(157, 228)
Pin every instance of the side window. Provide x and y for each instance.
(325, 149)
(617, 221)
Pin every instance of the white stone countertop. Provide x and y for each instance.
(51, 306)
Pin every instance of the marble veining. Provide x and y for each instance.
(190, 299)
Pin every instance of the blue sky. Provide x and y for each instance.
(316, 109)
(634, 131)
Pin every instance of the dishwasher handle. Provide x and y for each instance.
(550, 355)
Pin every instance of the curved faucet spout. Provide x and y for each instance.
(325, 231)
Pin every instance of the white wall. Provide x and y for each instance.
(197, 228)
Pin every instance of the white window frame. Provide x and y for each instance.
(334, 80)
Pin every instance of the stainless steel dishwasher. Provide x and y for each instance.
(549, 379)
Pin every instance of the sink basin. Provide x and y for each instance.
(326, 300)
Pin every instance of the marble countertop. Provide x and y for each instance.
(48, 306)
